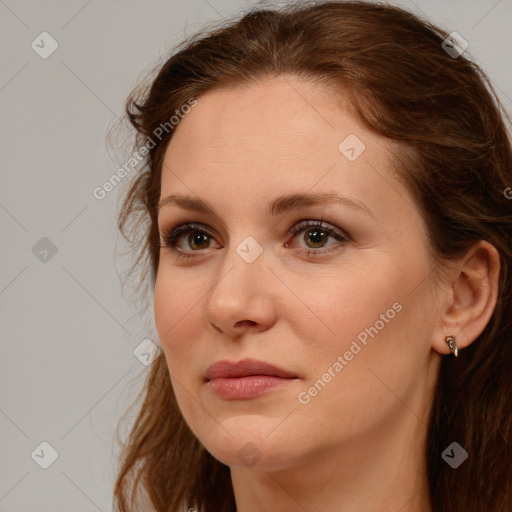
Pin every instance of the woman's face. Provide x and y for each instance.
(348, 310)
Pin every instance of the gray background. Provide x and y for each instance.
(68, 369)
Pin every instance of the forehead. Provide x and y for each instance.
(240, 144)
(284, 113)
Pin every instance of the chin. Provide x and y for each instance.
(245, 442)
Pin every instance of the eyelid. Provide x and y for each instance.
(171, 234)
(332, 231)
(320, 224)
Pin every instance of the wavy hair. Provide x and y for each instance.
(456, 160)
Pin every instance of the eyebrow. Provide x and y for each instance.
(280, 204)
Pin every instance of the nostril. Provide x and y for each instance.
(243, 323)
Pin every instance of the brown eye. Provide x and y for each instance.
(187, 240)
(317, 237)
(198, 240)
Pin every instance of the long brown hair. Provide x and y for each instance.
(456, 160)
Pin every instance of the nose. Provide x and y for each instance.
(242, 297)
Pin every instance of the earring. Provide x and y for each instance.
(450, 341)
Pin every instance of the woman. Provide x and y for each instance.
(329, 237)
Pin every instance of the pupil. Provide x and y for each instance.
(316, 236)
(197, 239)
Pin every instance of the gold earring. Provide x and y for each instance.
(450, 341)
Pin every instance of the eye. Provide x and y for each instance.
(316, 236)
(197, 240)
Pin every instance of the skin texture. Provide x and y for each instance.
(358, 444)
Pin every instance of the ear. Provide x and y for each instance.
(472, 296)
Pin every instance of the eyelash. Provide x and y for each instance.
(171, 235)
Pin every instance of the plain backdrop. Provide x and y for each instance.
(68, 368)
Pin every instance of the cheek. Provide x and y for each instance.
(368, 339)
(177, 311)
(335, 308)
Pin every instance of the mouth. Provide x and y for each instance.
(245, 379)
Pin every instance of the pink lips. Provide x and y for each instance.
(245, 379)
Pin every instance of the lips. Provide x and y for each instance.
(245, 368)
(245, 379)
